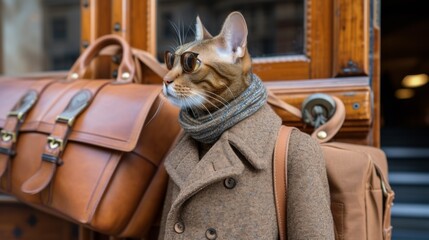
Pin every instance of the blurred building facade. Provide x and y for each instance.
(39, 35)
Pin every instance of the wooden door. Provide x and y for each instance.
(340, 54)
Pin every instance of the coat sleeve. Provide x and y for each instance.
(308, 203)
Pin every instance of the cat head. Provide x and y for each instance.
(210, 71)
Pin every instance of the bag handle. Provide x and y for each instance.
(139, 56)
(126, 69)
(280, 178)
(323, 133)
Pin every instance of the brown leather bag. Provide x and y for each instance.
(361, 196)
(87, 150)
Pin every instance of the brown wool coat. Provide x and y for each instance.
(228, 194)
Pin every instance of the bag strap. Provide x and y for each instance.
(57, 141)
(325, 132)
(277, 102)
(280, 178)
(16, 117)
(328, 130)
(141, 56)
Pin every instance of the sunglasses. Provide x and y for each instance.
(188, 60)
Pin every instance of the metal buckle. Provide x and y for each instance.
(7, 136)
(54, 143)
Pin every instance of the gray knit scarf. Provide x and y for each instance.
(209, 127)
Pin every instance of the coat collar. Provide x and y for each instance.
(253, 139)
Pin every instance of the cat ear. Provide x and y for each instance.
(201, 32)
(234, 34)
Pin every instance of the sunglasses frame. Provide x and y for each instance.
(183, 57)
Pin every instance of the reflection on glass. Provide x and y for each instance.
(276, 27)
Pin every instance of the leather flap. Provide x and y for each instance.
(114, 118)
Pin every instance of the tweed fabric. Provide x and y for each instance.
(198, 199)
(209, 127)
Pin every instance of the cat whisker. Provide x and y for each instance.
(189, 105)
(186, 35)
(205, 98)
(177, 30)
(232, 95)
(183, 32)
(193, 30)
(199, 105)
(205, 95)
(161, 103)
(218, 98)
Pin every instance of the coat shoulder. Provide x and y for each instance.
(304, 150)
(308, 201)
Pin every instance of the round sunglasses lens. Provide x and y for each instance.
(189, 62)
(169, 59)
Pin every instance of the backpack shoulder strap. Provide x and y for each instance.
(280, 178)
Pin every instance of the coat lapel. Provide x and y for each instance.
(252, 138)
(193, 175)
(182, 159)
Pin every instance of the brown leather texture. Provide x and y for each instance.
(361, 197)
(280, 178)
(108, 176)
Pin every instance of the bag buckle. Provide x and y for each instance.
(7, 136)
(54, 143)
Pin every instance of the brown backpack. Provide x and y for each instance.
(361, 197)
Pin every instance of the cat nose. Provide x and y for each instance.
(168, 80)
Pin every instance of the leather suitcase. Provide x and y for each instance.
(88, 150)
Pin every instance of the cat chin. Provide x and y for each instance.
(193, 101)
(183, 103)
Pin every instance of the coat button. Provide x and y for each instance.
(211, 234)
(179, 227)
(230, 183)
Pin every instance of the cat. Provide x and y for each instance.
(221, 172)
(211, 80)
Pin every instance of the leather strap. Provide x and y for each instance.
(10, 132)
(57, 141)
(150, 61)
(126, 70)
(140, 56)
(277, 102)
(333, 125)
(280, 178)
(325, 132)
